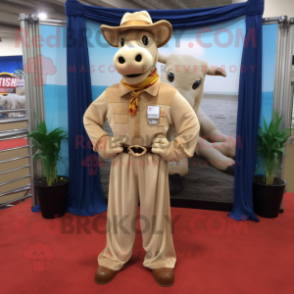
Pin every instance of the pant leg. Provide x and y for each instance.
(121, 212)
(155, 218)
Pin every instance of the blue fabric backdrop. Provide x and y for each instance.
(84, 189)
(10, 63)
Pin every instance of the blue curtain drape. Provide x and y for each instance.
(85, 189)
(249, 106)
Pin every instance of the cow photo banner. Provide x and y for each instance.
(209, 175)
(184, 61)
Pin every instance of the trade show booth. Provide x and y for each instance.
(218, 86)
(253, 52)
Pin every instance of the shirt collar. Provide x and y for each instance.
(152, 90)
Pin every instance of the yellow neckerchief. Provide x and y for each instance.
(138, 89)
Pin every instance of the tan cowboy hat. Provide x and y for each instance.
(141, 20)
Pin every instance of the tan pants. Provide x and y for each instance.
(133, 178)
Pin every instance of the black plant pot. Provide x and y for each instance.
(267, 198)
(52, 199)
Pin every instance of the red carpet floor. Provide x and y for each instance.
(215, 254)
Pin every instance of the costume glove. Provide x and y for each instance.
(169, 151)
(108, 146)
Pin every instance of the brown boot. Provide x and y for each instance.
(104, 275)
(164, 276)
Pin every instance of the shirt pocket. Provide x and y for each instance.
(120, 115)
(162, 118)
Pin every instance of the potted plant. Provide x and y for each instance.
(268, 190)
(50, 189)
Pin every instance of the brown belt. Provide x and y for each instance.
(137, 150)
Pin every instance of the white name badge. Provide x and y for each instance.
(153, 114)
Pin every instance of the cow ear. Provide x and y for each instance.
(162, 58)
(216, 71)
(110, 35)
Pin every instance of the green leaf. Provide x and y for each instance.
(47, 145)
(270, 145)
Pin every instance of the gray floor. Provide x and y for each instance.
(206, 183)
(203, 182)
(223, 113)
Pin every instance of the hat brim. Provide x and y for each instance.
(162, 31)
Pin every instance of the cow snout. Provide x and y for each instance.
(138, 58)
(129, 61)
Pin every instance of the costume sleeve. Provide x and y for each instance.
(187, 126)
(94, 119)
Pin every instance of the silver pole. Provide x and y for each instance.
(34, 90)
(53, 22)
(22, 18)
(287, 82)
(279, 19)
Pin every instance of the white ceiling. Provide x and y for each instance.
(10, 9)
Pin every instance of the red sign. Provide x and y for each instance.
(8, 82)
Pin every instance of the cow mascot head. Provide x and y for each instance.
(137, 39)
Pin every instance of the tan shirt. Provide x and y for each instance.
(113, 104)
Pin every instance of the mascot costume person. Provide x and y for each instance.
(140, 110)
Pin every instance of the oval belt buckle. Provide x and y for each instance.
(137, 154)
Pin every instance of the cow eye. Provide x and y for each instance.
(196, 84)
(145, 40)
(122, 42)
(171, 77)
